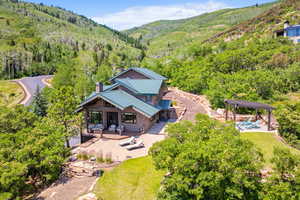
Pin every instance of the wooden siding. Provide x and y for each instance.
(142, 122)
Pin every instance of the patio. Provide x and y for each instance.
(247, 125)
(111, 148)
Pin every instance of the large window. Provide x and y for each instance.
(129, 118)
(95, 117)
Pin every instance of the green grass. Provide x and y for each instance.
(266, 142)
(10, 93)
(134, 179)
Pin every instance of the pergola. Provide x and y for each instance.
(246, 104)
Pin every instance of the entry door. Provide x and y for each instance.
(112, 118)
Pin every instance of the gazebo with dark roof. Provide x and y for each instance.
(246, 104)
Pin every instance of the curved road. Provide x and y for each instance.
(30, 85)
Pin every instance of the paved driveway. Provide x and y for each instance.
(30, 84)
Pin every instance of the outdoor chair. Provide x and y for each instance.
(139, 144)
(98, 127)
(253, 125)
(112, 128)
(131, 141)
(120, 129)
(244, 123)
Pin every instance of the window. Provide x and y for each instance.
(149, 99)
(95, 117)
(129, 118)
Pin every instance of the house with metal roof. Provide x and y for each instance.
(291, 32)
(132, 103)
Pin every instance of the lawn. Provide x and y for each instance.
(266, 142)
(134, 179)
(10, 93)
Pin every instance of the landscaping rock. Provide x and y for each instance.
(89, 196)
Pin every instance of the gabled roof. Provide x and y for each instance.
(123, 100)
(144, 71)
(110, 87)
(141, 86)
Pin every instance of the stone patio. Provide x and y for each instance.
(111, 148)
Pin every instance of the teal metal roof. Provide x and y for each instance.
(141, 86)
(109, 87)
(146, 72)
(164, 104)
(123, 100)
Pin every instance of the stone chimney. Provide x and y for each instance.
(99, 87)
(286, 24)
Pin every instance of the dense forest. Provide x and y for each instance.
(36, 38)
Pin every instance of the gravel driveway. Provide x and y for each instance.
(30, 84)
(184, 99)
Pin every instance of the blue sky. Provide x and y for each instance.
(124, 14)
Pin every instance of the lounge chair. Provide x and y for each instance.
(253, 125)
(120, 129)
(98, 127)
(245, 123)
(112, 128)
(131, 141)
(139, 144)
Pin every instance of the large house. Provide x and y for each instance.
(132, 103)
(291, 32)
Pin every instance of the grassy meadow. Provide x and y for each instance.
(10, 93)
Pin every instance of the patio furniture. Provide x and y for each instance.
(90, 127)
(243, 123)
(98, 127)
(253, 125)
(131, 141)
(112, 128)
(120, 129)
(139, 144)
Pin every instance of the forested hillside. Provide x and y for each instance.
(35, 39)
(164, 37)
(247, 63)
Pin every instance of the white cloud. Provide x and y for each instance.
(137, 16)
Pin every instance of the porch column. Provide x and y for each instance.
(226, 111)
(104, 119)
(86, 116)
(119, 118)
(234, 113)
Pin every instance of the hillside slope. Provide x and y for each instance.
(246, 63)
(35, 38)
(264, 24)
(166, 36)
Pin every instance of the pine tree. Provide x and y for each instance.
(39, 104)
